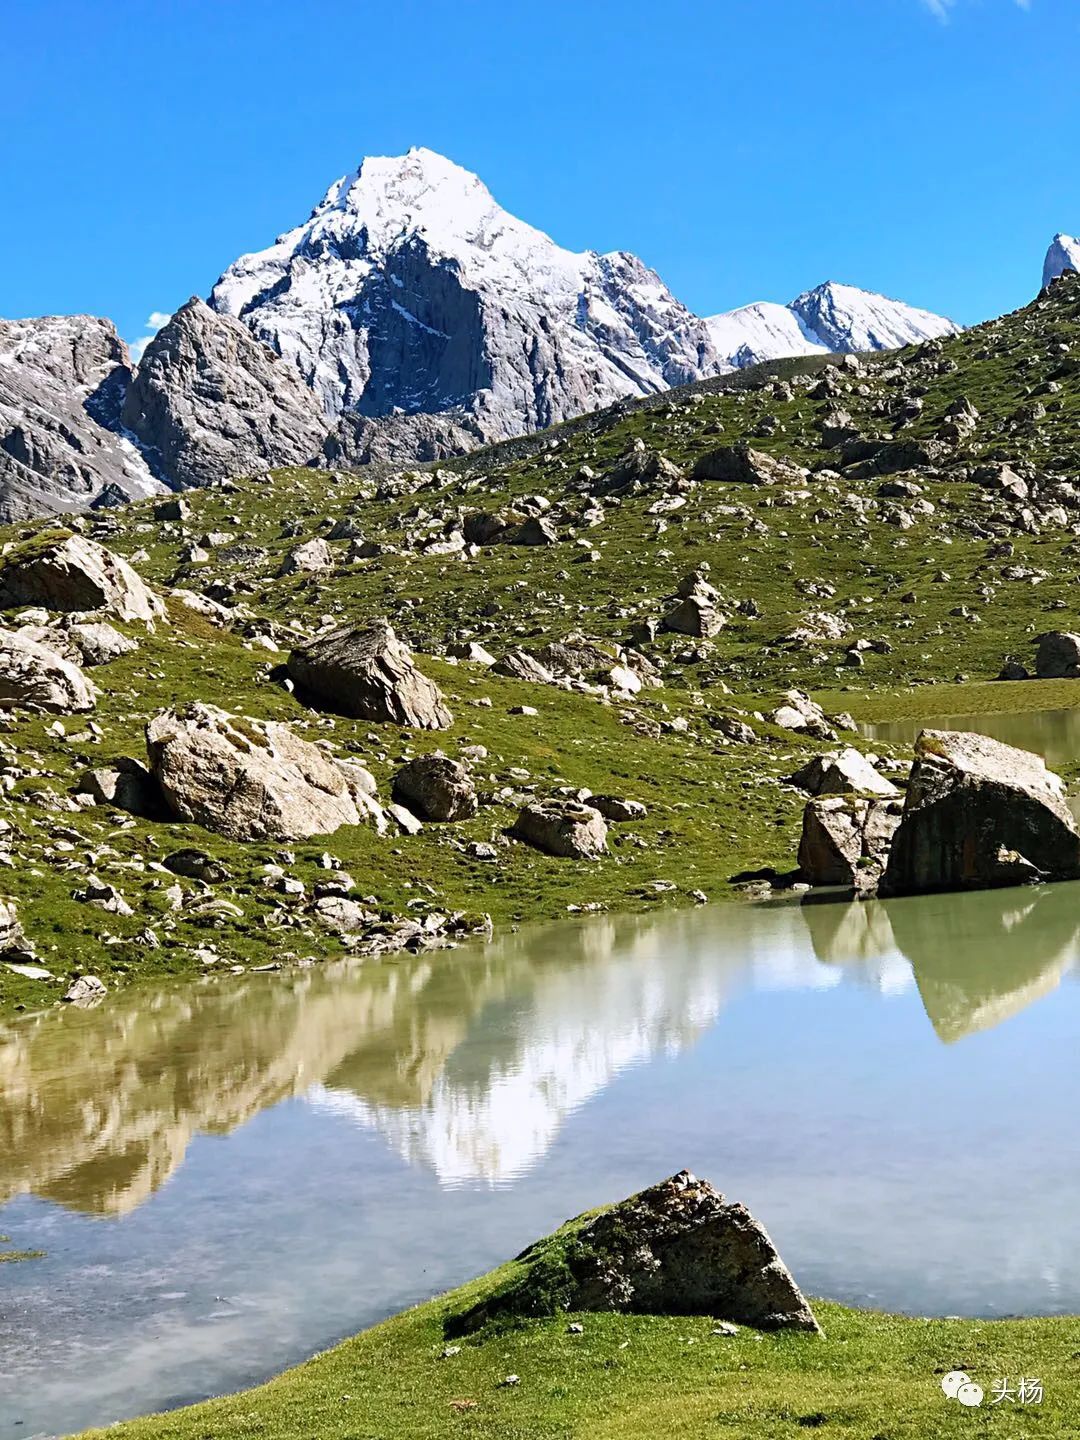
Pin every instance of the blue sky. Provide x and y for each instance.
(747, 149)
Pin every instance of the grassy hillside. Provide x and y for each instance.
(650, 1377)
(933, 572)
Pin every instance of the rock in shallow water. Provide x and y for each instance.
(980, 814)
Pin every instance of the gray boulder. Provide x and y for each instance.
(250, 779)
(562, 827)
(614, 807)
(802, 715)
(520, 665)
(11, 931)
(1058, 656)
(127, 785)
(740, 465)
(436, 788)
(368, 673)
(845, 840)
(209, 400)
(678, 1248)
(33, 677)
(312, 556)
(843, 772)
(979, 814)
(69, 572)
(98, 643)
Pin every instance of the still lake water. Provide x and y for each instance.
(229, 1176)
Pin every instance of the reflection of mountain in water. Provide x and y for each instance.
(469, 1062)
(539, 1054)
(491, 1047)
(977, 959)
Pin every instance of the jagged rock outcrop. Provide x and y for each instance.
(70, 573)
(209, 401)
(980, 814)
(678, 1248)
(842, 772)
(367, 672)
(62, 384)
(252, 780)
(32, 677)
(845, 840)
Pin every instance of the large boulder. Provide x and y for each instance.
(368, 673)
(11, 931)
(250, 779)
(740, 465)
(562, 827)
(979, 814)
(1058, 656)
(69, 572)
(842, 772)
(33, 677)
(678, 1248)
(436, 788)
(845, 840)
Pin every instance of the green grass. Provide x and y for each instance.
(871, 1375)
(11, 1257)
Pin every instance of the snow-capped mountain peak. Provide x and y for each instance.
(1064, 254)
(832, 317)
(410, 289)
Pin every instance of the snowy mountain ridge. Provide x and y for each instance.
(829, 318)
(409, 289)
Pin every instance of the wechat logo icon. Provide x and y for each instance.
(961, 1387)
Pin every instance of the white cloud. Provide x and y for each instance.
(154, 321)
(942, 9)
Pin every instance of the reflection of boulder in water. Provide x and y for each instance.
(843, 931)
(981, 958)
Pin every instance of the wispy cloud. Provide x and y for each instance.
(154, 321)
(942, 9)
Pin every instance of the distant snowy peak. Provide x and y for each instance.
(410, 290)
(1064, 254)
(832, 318)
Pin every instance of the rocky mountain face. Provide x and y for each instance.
(208, 400)
(409, 290)
(410, 317)
(62, 384)
(1064, 254)
(840, 319)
